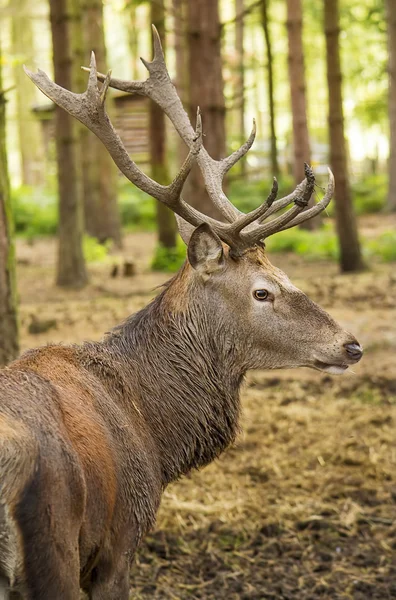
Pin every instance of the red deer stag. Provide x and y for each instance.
(91, 435)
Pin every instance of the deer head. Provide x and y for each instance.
(228, 275)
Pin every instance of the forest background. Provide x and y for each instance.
(303, 506)
(261, 50)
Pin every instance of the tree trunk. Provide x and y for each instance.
(99, 172)
(8, 300)
(271, 101)
(301, 144)
(350, 257)
(133, 39)
(29, 131)
(181, 52)
(206, 91)
(391, 21)
(240, 79)
(166, 222)
(65, 24)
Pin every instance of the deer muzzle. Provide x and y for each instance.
(354, 352)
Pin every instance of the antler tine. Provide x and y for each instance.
(255, 214)
(230, 161)
(177, 184)
(300, 203)
(318, 208)
(105, 87)
(283, 202)
(131, 87)
(238, 240)
(158, 57)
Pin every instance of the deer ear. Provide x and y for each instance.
(205, 250)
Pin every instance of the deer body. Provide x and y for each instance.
(91, 435)
(96, 432)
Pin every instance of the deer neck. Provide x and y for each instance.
(186, 379)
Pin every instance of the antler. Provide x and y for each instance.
(159, 88)
(241, 230)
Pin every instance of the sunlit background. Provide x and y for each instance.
(364, 56)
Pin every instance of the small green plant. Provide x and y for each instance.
(369, 194)
(315, 245)
(137, 209)
(383, 247)
(35, 212)
(95, 252)
(169, 260)
(248, 195)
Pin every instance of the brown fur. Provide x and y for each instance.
(91, 435)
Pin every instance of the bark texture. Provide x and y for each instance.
(206, 90)
(240, 78)
(350, 254)
(8, 300)
(29, 130)
(391, 20)
(65, 26)
(301, 143)
(99, 172)
(133, 39)
(166, 222)
(270, 83)
(181, 51)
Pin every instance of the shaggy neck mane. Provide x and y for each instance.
(184, 366)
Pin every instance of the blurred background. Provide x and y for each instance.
(304, 505)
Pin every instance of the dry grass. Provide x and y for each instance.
(302, 507)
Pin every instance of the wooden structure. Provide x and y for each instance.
(131, 120)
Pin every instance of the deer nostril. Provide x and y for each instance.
(354, 351)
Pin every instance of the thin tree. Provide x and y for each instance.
(181, 52)
(240, 78)
(391, 21)
(206, 90)
(133, 37)
(350, 254)
(301, 142)
(166, 223)
(270, 86)
(29, 133)
(65, 27)
(8, 300)
(99, 172)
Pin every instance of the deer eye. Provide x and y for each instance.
(261, 295)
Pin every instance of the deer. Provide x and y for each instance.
(92, 434)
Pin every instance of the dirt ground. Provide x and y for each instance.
(304, 506)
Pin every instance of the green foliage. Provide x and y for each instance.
(383, 247)
(314, 245)
(169, 260)
(35, 213)
(323, 245)
(247, 195)
(94, 251)
(137, 209)
(369, 194)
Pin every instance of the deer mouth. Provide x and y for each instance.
(334, 369)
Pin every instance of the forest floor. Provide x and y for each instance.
(304, 505)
